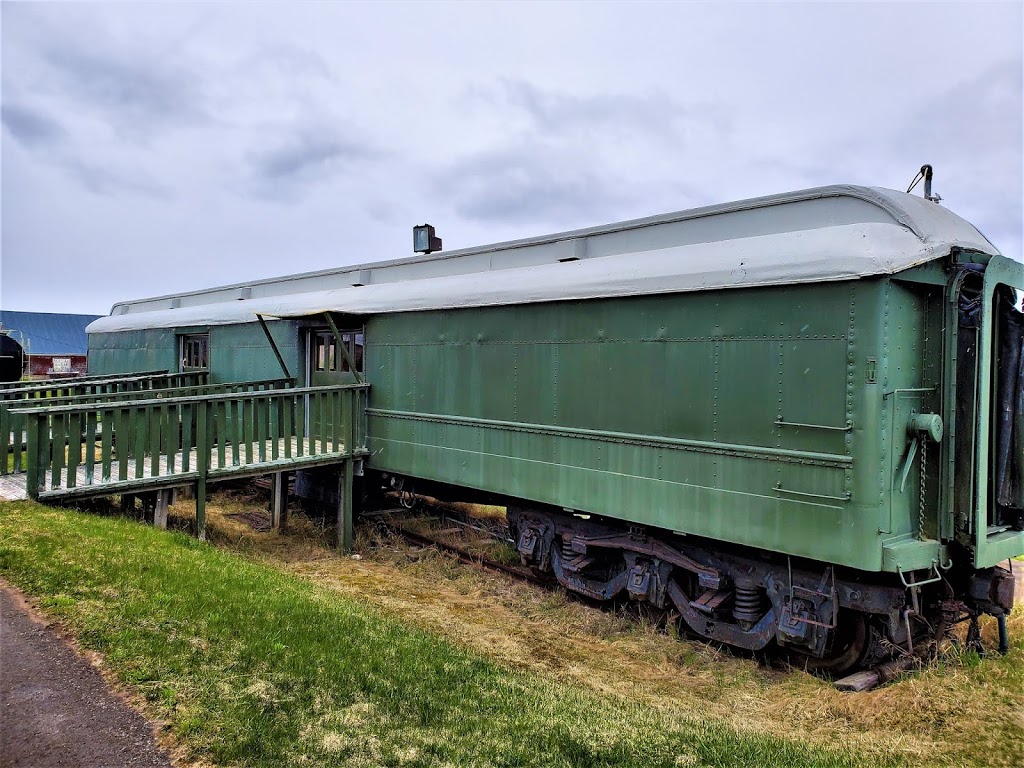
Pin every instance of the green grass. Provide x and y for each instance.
(249, 666)
(10, 461)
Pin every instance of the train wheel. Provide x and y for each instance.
(849, 643)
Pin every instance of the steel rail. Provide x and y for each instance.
(464, 555)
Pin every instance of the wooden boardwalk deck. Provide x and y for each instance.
(246, 462)
(12, 487)
(131, 446)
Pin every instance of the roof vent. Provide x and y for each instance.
(245, 293)
(175, 302)
(361, 278)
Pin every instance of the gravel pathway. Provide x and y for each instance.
(56, 711)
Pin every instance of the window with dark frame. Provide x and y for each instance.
(357, 355)
(195, 351)
(324, 352)
(354, 345)
(346, 339)
(327, 356)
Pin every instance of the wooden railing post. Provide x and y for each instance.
(351, 396)
(12, 437)
(202, 465)
(7, 445)
(58, 438)
(355, 415)
(34, 469)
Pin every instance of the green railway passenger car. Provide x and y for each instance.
(797, 419)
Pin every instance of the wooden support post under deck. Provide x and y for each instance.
(163, 500)
(279, 500)
(203, 445)
(345, 507)
(201, 508)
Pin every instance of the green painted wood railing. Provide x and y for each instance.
(16, 385)
(42, 390)
(12, 425)
(154, 443)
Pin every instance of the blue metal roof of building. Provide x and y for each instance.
(48, 333)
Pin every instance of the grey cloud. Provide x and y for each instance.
(651, 113)
(86, 102)
(385, 211)
(109, 182)
(979, 120)
(526, 185)
(132, 91)
(305, 159)
(304, 156)
(30, 127)
(573, 159)
(47, 138)
(290, 61)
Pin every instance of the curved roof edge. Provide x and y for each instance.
(787, 212)
(830, 253)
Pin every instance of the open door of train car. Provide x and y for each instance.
(332, 356)
(999, 473)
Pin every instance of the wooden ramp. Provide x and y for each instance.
(13, 437)
(12, 487)
(170, 471)
(133, 447)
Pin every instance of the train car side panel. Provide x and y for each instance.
(728, 415)
(238, 352)
(127, 351)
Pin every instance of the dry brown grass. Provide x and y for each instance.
(957, 713)
(479, 510)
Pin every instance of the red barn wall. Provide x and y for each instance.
(42, 365)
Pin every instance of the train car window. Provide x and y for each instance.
(319, 354)
(195, 351)
(353, 341)
(332, 354)
(325, 356)
(346, 339)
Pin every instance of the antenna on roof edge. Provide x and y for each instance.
(926, 174)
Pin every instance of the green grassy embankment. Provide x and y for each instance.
(246, 665)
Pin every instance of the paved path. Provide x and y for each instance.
(55, 709)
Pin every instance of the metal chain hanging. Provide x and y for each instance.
(920, 503)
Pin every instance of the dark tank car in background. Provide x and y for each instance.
(11, 358)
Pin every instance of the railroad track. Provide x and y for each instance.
(386, 520)
(391, 520)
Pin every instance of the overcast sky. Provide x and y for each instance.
(149, 148)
